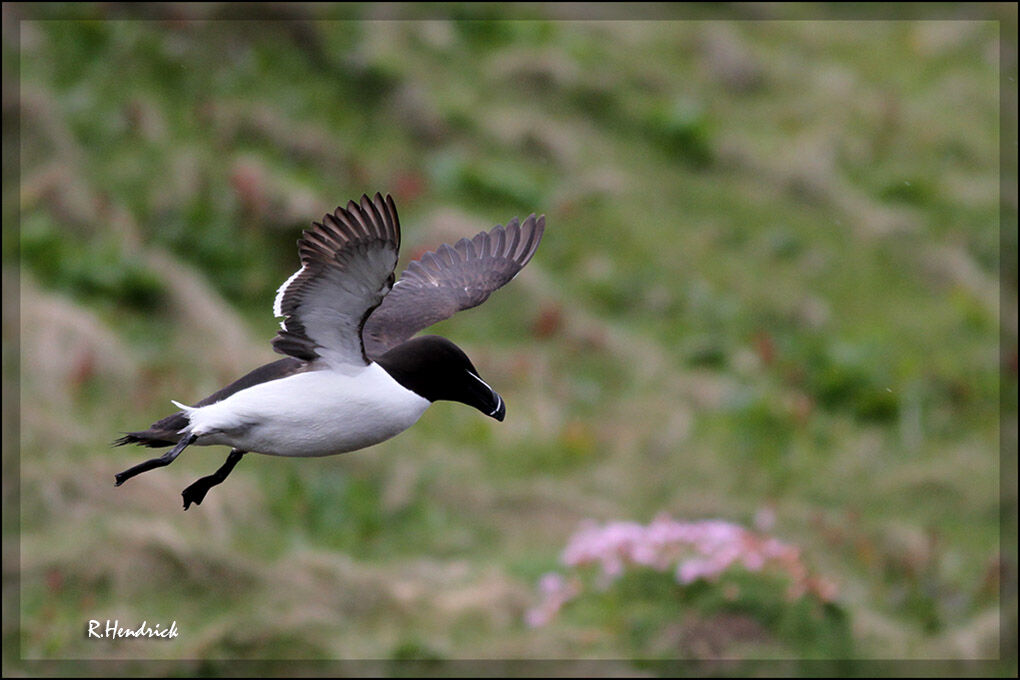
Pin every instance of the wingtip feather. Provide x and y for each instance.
(530, 244)
(513, 231)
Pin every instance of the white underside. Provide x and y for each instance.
(316, 413)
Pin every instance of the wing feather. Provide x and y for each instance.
(347, 263)
(450, 279)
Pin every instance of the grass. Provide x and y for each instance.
(770, 280)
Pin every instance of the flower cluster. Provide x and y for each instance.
(693, 550)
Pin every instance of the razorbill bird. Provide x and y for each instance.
(354, 375)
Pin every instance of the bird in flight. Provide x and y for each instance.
(354, 374)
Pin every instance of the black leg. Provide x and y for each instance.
(160, 461)
(196, 492)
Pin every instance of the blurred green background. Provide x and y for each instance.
(769, 293)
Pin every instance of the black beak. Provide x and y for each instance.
(486, 399)
(500, 411)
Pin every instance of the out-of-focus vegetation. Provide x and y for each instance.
(769, 293)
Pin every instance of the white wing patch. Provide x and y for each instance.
(278, 302)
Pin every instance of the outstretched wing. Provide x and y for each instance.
(449, 279)
(347, 264)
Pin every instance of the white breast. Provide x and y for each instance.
(317, 413)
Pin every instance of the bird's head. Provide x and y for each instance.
(436, 369)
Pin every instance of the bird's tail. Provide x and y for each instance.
(162, 433)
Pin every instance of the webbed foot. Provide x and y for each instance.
(195, 493)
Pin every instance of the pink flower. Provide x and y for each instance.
(693, 550)
(551, 583)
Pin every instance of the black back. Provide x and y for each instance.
(165, 432)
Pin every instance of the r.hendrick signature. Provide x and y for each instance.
(114, 630)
